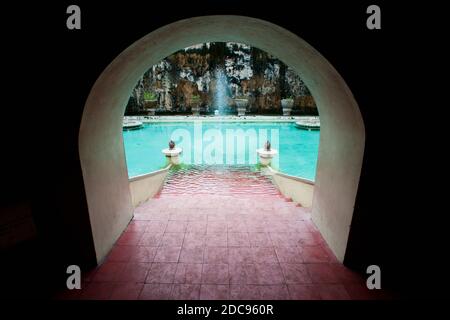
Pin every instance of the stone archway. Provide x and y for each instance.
(101, 147)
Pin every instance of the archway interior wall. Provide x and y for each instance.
(101, 144)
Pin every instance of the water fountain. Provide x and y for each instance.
(220, 96)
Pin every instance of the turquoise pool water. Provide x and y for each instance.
(222, 143)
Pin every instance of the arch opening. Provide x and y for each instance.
(198, 87)
(101, 146)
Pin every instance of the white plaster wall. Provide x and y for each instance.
(100, 139)
(299, 190)
(146, 186)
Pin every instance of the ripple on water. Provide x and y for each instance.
(218, 180)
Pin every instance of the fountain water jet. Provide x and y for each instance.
(220, 96)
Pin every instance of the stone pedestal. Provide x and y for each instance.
(241, 105)
(172, 155)
(195, 110)
(287, 105)
(265, 156)
(150, 111)
(150, 107)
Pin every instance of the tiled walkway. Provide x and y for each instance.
(216, 235)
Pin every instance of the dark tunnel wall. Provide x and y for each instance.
(47, 95)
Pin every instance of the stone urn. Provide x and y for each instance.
(195, 106)
(287, 105)
(150, 106)
(266, 154)
(172, 153)
(241, 106)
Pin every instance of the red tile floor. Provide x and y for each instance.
(190, 243)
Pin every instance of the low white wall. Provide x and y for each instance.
(299, 189)
(147, 185)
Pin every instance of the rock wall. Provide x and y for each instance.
(252, 73)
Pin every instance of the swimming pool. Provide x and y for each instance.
(222, 143)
